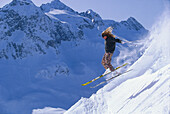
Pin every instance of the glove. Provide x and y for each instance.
(122, 42)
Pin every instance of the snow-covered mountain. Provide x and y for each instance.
(144, 90)
(56, 4)
(25, 29)
(47, 52)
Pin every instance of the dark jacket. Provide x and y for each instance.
(110, 43)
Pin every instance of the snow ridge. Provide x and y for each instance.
(55, 4)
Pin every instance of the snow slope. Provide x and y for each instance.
(143, 90)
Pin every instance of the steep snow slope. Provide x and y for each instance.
(143, 90)
(148, 93)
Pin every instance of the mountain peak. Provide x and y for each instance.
(90, 11)
(21, 2)
(132, 19)
(22, 7)
(132, 23)
(55, 4)
(93, 16)
(18, 3)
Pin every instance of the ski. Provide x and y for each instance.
(110, 79)
(102, 75)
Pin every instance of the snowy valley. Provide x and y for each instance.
(47, 52)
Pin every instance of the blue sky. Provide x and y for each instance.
(145, 11)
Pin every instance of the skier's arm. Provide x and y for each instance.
(123, 42)
(118, 40)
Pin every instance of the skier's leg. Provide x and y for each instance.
(108, 61)
(104, 60)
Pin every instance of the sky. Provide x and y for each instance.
(144, 11)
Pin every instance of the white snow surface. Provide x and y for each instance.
(145, 90)
(46, 110)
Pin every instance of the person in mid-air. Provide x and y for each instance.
(110, 42)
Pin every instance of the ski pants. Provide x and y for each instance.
(106, 61)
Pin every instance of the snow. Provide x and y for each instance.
(56, 4)
(26, 7)
(145, 94)
(55, 11)
(46, 110)
(17, 37)
(143, 90)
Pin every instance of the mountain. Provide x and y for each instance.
(143, 90)
(93, 16)
(26, 29)
(56, 4)
(47, 52)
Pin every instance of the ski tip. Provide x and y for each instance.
(83, 84)
(126, 64)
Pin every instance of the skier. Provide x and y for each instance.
(110, 42)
